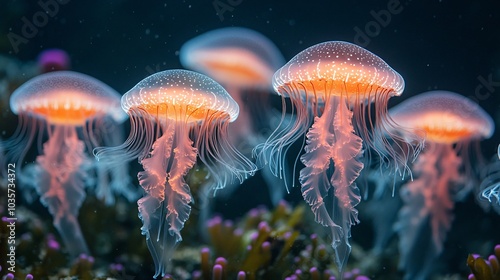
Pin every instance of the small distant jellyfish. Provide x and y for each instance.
(53, 60)
(72, 109)
(333, 84)
(176, 116)
(243, 61)
(441, 174)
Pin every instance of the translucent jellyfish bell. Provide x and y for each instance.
(67, 105)
(445, 117)
(176, 116)
(333, 84)
(66, 97)
(345, 69)
(441, 174)
(243, 61)
(239, 58)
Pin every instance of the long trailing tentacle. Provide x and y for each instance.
(166, 206)
(426, 216)
(346, 153)
(60, 183)
(332, 138)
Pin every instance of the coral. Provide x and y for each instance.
(41, 255)
(267, 245)
(485, 269)
(259, 244)
(263, 244)
(82, 267)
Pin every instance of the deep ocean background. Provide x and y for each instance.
(445, 45)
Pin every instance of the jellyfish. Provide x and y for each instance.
(490, 185)
(53, 60)
(243, 61)
(331, 86)
(176, 117)
(70, 109)
(441, 173)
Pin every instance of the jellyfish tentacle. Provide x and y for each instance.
(60, 184)
(490, 186)
(241, 131)
(165, 208)
(414, 214)
(153, 180)
(428, 199)
(346, 152)
(184, 159)
(332, 138)
(154, 176)
(491, 192)
(291, 128)
(313, 178)
(441, 212)
(112, 175)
